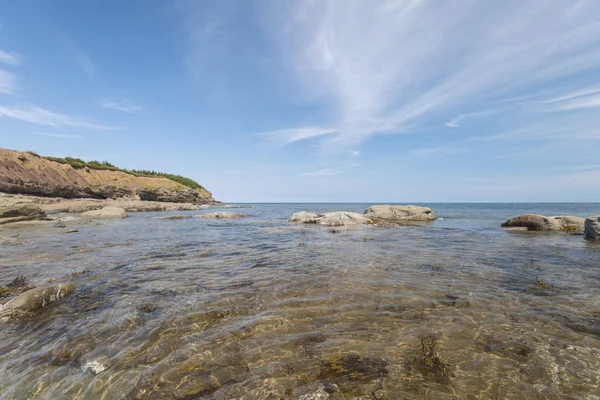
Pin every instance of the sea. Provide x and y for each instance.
(262, 308)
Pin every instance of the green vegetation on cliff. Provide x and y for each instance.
(80, 164)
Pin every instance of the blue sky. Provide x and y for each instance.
(353, 100)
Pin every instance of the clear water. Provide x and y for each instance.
(260, 308)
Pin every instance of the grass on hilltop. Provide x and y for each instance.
(78, 163)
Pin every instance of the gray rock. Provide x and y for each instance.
(35, 300)
(14, 210)
(338, 218)
(108, 212)
(304, 217)
(536, 222)
(385, 215)
(592, 227)
(221, 215)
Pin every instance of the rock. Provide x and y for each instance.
(35, 300)
(97, 366)
(338, 218)
(16, 210)
(536, 222)
(108, 212)
(221, 215)
(384, 215)
(304, 217)
(175, 217)
(592, 227)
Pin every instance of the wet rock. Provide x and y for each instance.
(97, 366)
(175, 217)
(108, 212)
(35, 300)
(385, 215)
(15, 210)
(536, 222)
(221, 215)
(338, 218)
(592, 227)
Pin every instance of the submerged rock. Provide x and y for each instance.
(175, 217)
(384, 215)
(592, 227)
(35, 300)
(536, 222)
(221, 215)
(108, 212)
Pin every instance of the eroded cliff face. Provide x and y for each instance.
(25, 173)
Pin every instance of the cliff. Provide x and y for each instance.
(28, 173)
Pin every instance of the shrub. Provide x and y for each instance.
(78, 163)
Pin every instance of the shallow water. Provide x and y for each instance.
(259, 308)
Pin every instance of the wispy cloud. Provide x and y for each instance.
(286, 136)
(438, 151)
(8, 83)
(40, 116)
(329, 171)
(123, 105)
(84, 62)
(455, 122)
(59, 135)
(380, 66)
(12, 59)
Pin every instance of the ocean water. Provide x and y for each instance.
(260, 308)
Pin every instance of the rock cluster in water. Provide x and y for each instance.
(536, 222)
(381, 215)
(592, 227)
(221, 215)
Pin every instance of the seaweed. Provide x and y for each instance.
(352, 367)
(17, 282)
(429, 364)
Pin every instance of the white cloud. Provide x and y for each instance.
(8, 83)
(438, 151)
(86, 65)
(286, 136)
(123, 105)
(40, 116)
(455, 122)
(59, 135)
(329, 171)
(381, 66)
(9, 58)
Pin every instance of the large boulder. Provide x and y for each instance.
(592, 227)
(35, 300)
(384, 215)
(14, 210)
(536, 222)
(108, 212)
(221, 215)
(338, 218)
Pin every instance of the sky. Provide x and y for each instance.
(315, 100)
